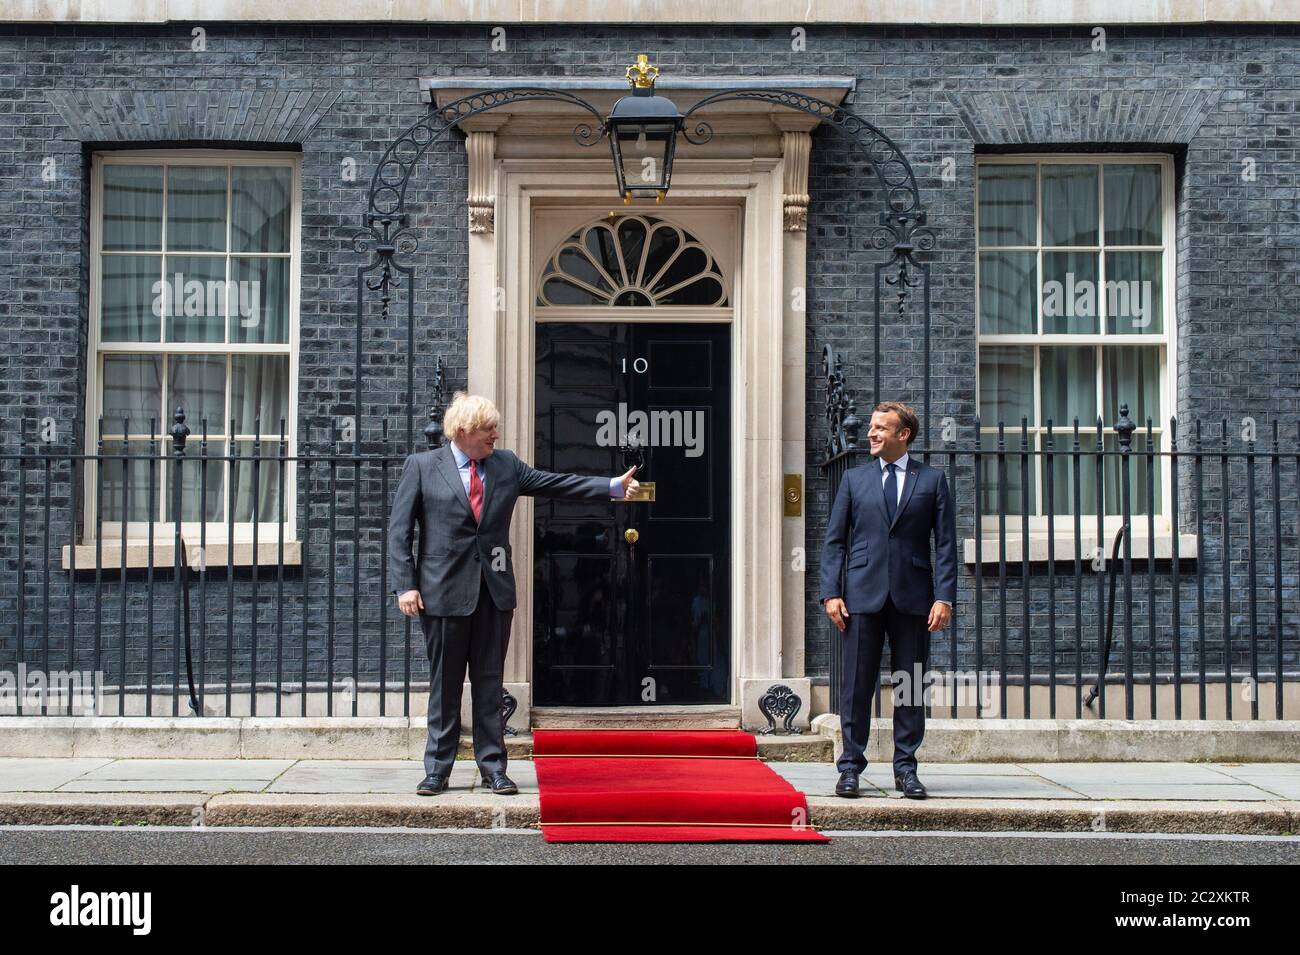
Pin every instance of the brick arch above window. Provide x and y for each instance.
(1018, 117)
(251, 116)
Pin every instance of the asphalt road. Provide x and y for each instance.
(321, 846)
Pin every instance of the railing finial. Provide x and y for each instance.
(179, 431)
(851, 425)
(1125, 427)
(433, 432)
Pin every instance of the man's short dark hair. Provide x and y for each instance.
(906, 417)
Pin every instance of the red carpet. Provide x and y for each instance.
(673, 786)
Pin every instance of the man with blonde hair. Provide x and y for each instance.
(461, 584)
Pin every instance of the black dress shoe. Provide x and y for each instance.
(500, 784)
(432, 785)
(847, 785)
(907, 784)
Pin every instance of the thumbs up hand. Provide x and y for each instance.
(630, 484)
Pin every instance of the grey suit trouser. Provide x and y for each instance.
(479, 640)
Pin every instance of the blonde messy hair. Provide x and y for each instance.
(468, 413)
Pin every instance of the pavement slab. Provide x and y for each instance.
(1280, 780)
(44, 775)
(975, 786)
(1152, 781)
(363, 776)
(179, 775)
(1252, 798)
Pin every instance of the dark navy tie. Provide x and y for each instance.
(891, 491)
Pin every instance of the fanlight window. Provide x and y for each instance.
(632, 261)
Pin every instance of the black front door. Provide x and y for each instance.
(631, 601)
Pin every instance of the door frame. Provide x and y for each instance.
(768, 376)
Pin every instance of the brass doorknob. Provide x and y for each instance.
(631, 535)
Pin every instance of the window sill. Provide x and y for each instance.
(1141, 546)
(164, 558)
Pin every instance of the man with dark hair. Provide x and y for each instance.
(882, 519)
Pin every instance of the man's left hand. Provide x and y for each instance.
(630, 484)
(940, 616)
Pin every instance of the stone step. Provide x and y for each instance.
(636, 717)
(803, 748)
(398, 737)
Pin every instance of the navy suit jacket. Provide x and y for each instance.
(887, 559)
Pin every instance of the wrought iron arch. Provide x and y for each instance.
(892, 169)
(388, 185)
(386, 233)
(902, 227)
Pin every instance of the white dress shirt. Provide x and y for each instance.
(462, 465)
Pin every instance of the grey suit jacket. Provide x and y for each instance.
(455, 550)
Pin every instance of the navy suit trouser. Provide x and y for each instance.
(478, 641)
(861, 645)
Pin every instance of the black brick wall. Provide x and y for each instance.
(1212, 97)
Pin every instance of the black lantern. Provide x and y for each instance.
(643, 131)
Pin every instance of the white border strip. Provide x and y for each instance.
(1001, 13)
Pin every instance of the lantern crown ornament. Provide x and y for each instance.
(641, 74)
(643, 130)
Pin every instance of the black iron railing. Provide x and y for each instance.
(272, 585)
(1114, 562)
(1194, 612)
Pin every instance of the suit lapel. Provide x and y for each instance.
(909, 485)
(446, 463)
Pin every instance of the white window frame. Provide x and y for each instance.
(1166, 340)
(215, 531)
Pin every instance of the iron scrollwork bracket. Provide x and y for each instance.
(780, 702)
(841, 413)
(508, 706)
(387, 236)
(905, 235)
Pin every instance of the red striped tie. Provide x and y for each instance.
(475, 491)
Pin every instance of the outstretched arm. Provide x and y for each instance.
(537, 483)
